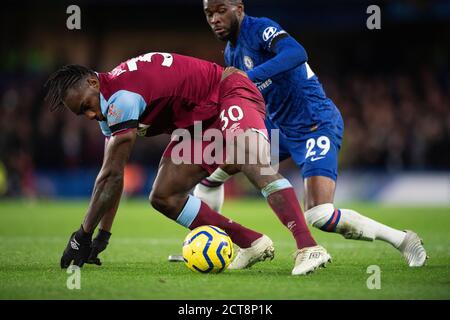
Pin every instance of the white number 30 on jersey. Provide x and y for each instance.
(235, 114)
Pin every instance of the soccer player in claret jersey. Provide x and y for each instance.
(157, 93)
(310, 125)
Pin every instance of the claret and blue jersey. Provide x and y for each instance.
(309, 123)
(158, 92)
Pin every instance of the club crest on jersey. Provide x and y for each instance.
(248, 62)
(268, 33)
(114, 115)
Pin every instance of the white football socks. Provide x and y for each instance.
(352, 225)
(213, 196)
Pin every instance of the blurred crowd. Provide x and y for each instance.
(391, 85)
(392, 122)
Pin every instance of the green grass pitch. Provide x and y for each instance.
(135, 266)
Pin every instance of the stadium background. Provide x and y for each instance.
(391, 85)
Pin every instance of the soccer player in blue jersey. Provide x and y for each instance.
(309, 123)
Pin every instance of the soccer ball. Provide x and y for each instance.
(207, 249)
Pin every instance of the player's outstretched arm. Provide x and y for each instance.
(109, 183)
(289, 54)
(101, 241)
(105, 197)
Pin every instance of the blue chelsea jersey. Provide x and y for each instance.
(295, 100)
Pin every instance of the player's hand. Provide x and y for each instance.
(99, 244)
(230, 70)
(77, 250)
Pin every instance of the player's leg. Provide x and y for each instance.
(211, 189)
(281, 198)
(278, 191)
(248, 150)
(320, 173)
(321, 213)
(242, 123)
(170, 196)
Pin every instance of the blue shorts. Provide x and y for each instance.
(316, 153)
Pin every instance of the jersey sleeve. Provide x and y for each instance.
(267, 32)
(287, 52)
(105, 129)
(123, 112)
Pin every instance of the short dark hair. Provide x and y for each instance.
(235, 2)
(60, 81)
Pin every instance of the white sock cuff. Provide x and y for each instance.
(218, 175)
(275, 186)
(319, 212)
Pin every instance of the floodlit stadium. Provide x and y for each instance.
(358, 100)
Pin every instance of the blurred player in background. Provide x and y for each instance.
(310, 125)
(157, 93)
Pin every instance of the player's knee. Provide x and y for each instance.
(249, 147)
(156, 201)
(319, 190)
(162, 203)
(257, 149)
(319, 215)
(231, 168)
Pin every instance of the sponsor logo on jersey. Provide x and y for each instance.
(316, 158)
(263, 85)
(114, 115)
(248, 62)
(268, 33)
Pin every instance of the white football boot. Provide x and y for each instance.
(309, 259)
(260, 250)
(412, 249)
